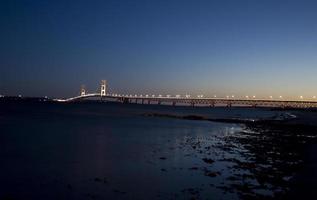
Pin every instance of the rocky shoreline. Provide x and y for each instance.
(266, 160)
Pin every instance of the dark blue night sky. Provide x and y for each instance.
(211, 47)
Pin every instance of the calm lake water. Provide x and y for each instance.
(111, 151)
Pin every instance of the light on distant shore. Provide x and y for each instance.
(281, 97)
(314, 97)
(271, 97)
(301, 97)
(247, 96)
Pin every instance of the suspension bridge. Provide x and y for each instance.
(187, 100)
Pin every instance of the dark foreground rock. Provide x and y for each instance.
(269, 159)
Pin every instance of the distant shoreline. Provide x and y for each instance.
(286, 120)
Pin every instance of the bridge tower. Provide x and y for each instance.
(82, 90)
(103, 88)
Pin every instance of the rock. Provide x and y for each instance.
(119, 192)
(212, 174)
(69, 186)
(97, 179)
(208, 160)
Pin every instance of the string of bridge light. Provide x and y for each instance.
(198, 96)
(247, 97)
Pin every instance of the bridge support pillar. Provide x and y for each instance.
(148, 102)
(82, 90)
(125, 100)
(192, 104)
(159, 103)
(174, 103)
(103, 89)
(229, 105)
(142, 101)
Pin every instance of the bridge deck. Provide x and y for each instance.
(199, 101)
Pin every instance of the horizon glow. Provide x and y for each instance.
(265, 49)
